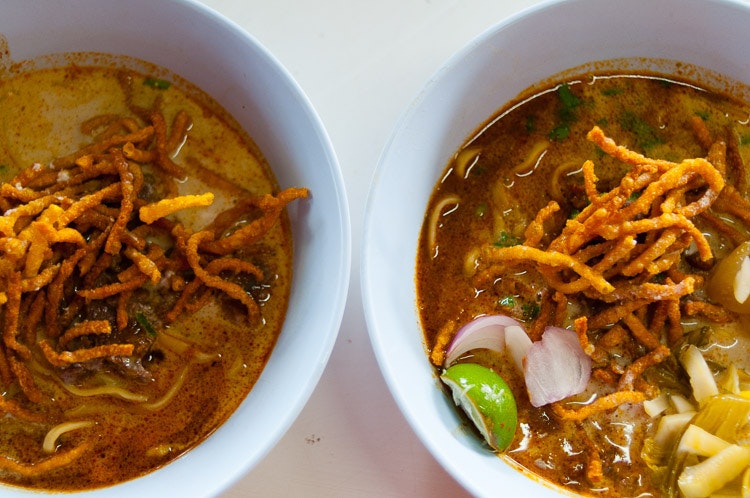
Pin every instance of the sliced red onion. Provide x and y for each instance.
(484, 332)
(518, 343)
(556, 367)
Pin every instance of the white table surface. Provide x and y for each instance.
(361, 63)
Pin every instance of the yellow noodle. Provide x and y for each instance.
(532, 159)
(167, 397)
(437, 211)
(50, 440)
(115, 391)
(465, 160)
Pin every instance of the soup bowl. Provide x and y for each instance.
(201, 46)
(698, 39)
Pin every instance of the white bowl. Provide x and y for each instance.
(522, 50)
(215, 54)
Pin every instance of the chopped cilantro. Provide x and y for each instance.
(703, 115)
(157, 83)
(615, 90)
(566, 113)
(144, 323)
(507, 302)
(568, 98)
(530, 123)
(507, 240)
(560, 132)
(530, 311)
(645, 134)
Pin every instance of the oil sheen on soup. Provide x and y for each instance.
(145, 271)
(607, 216)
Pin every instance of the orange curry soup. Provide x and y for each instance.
(145, 271)
(632, 235)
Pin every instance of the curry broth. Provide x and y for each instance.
(200, 367)
(527, 155)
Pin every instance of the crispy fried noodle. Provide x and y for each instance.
(83, 230)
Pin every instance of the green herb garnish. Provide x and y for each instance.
(530, 311)
(615, 90)
(634, 196)
(507, 302)
(157, 83)
(144, 323)
(645, 134)
(566, 113)
(560, 132)
(704, 115)
(568, 98)
(530, 123)
(507, 240)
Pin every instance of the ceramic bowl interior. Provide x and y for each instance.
(210, 51)
(548, 39)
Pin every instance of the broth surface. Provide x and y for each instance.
(529, 154)
(188, 374)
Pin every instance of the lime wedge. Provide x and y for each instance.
(486, 399)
